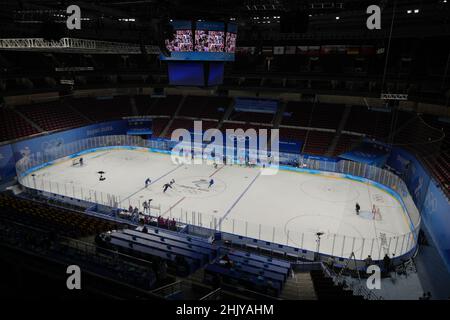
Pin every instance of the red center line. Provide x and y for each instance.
(177, 203)
(217, 170)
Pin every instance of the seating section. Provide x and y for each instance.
(13, 126)
(243, 126)
(292, 134)
(345, 143)
(372, 123)
(189, 125)
(60, 221)
(439, 163)
(205, 107)
(300, 114)
(160, 106)
(145, 103)
(318, 115)
(52, 115)
(249, 270)
(158, 125)
(326, 115)
(100, 109)
(318, 142)
(423, 137)
(183, 253)
(252, 117)
(440, 167)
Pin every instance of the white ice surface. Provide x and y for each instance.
(287, 208)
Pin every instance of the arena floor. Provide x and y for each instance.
(286, 208)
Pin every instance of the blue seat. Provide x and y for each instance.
(242, 277)
(159, 246)
(125, 244)
(260, 264)
(263, 259)
(208, 253)
(260, 272)
(177, 236)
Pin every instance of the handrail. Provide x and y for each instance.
(173, 284)
(212, 293)
(359, 290)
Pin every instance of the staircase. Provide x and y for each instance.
(334, 142)
(299, 286)
(198, 275)
(327, 290)
(169, 124)
(279, 115)
(226, 114)
(66, 104)
(134, 109)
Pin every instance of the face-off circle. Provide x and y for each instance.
(199, 187)
(330, 191)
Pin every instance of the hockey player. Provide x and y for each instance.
(357, 208)
(211, 182)
(81, 162)
(145, 206)
(166, 186)
(147, 182)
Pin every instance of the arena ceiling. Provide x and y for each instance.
(256, 18)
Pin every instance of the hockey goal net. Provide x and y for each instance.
(376, 213)
(77, 162)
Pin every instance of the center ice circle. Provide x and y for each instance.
(198, 187)
(331, 190)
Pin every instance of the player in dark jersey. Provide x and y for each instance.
(166, 186)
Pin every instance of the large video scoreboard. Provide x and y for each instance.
(199, 51)
(202, 41)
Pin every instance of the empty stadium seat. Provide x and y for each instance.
(52, 115)
(12, 126)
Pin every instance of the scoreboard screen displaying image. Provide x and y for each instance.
(206, 43)
(210, 37)
(216, 41)
(201, 41)
(209, 41)
(230, 45)
(231, 42)
(182, 41)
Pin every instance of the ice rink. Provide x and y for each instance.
(286, 208)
